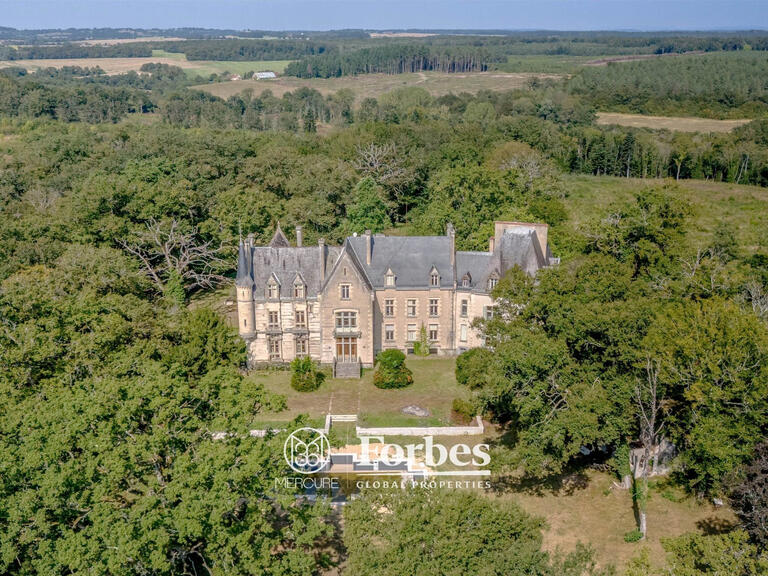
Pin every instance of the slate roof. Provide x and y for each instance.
(410, 258)
(286, 263)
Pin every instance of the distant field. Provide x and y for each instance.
(679, 124)
(122, 65)
(114, 41)
(374, 85)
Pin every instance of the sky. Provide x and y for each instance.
(389, 14)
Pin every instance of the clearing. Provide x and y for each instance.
(585, 507)
(374, 85)
(193, 68)
(744, 208)
(678, 124)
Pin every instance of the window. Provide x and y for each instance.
(298, 290)
(433, 306)
(411, 308)
(301, 346)
(389, 307)
(272, 290)
(274, 348)
(346, 348)
(434, 279)
(463, 333)
(433, 332)
(412, 333)
(346, 320)
(344, 291)
(492, 283)
(389, 279)
(389, 332)
(464, 308)
(301, 319)
(274, 319)
(466, 281)
(488, 312)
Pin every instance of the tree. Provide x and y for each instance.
(414, 531)
(368, 210)
(749, 495)
(698, 555)
(713, 365)
(166, 250)
(648, 402)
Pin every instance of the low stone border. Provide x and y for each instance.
(330, 419)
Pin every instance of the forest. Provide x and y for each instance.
(116, 372)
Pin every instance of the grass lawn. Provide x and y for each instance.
(207, 67)
(434, 389)
(584, 508)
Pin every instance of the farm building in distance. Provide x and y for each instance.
(264, 75)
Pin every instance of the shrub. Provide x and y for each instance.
(472, 367)
(464, 408)
(633, 536)
(421, 346)
(391, 371)
(305, 375)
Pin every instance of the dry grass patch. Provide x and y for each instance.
(673, 123)
(584, 507)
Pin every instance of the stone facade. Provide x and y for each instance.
(344, 304)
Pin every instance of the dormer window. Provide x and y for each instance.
(272, 290)
(298, 289)
(492, 282)
(434, 278)
(389, 279)
(466, 281)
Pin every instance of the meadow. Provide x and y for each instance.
(193, 69)
(673, 123)
(374, 85)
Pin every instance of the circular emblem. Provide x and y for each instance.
(307, 450)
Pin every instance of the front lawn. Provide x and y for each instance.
(434, 388)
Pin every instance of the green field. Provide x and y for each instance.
(207, 67)
(745, 208)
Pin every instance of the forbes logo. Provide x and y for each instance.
(307, 451)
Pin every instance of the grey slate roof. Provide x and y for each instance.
(410, 258)
(285, 263)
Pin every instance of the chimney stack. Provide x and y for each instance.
(451, 233)
(491, 244)
(299, 236)
(368, 247)
(321, 246)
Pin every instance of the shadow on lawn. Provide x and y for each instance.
(712, 526)
(558, 485)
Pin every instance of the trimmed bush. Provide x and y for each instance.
(305, 376)
(391, 371)
(472, 367)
